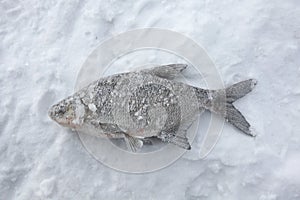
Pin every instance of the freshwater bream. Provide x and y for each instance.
(147, 103)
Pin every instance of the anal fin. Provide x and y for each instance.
(133, 143)
(179, 140)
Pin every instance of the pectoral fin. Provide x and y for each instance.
(133, 143)
(167, 71)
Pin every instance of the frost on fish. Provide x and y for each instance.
(147, 103)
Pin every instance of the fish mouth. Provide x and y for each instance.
(61, 120)
(65, 122)
(51, 113)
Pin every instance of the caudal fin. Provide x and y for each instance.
(233, 115)
(239, 90)
(221, 102)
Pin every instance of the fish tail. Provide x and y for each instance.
(239, 90)
(221, 102)
(233, 115)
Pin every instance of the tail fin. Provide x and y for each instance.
(239, 90)
(233, 115)
(221, 102)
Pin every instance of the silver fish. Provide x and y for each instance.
(147, 103)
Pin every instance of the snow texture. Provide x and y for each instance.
(43, 44)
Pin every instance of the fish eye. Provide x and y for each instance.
(61, 110)
(70, 107)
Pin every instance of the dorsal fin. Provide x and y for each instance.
(167, 71)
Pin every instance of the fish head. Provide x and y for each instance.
(68, 113)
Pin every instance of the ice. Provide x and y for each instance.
(92, 107)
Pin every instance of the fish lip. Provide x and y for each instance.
(68, 124)
(50, 113)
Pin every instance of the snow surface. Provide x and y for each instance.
(43, 44)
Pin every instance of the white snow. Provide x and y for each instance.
(92, 107)
(47, 186)
(43, 44)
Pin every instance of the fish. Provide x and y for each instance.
(148, 103)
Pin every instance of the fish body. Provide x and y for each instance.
(147, 103)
